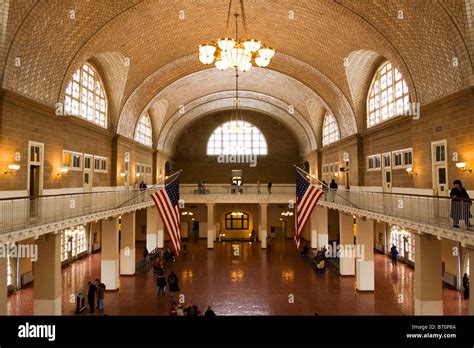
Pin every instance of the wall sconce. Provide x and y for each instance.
(123, 174)
(137, 175)
(410, 171)
(336, 174)
(12, 169)
(62, 171)
(462, 166)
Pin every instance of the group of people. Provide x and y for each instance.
(319, 260)
(269, 187)
(460, 204)
(172, 281)
(191, 310)
(331, 188)
(96, 289)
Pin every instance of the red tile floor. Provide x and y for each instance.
(256, 283)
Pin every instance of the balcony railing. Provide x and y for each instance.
(22, 212)
(431, 210)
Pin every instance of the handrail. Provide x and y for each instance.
(67, 194)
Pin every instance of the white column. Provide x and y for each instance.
(471, 278)
(210, 225)
(47, 273)
(322, 225)
(127, 245)
(3, 284)
(110, 254)
(160, 233)
(428, 283)
(152, 218)
(263, 223)
(365, 270)
(346, 239)
(313, 223)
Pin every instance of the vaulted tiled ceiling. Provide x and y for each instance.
(422, 38)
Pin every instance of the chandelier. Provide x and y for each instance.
(236, 53)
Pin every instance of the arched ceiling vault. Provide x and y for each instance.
(158, 48)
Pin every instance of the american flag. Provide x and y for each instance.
(307, 196)
(166, 201)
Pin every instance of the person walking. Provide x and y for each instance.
(209, 312)
(91, 296)
(173, 286)
(394, 254)
(333, 188)
(465, 285)
(460, 204)
(101, 296)
(161, 283)
(269, 243)
(269, 187)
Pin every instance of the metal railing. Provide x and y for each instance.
(247, 189)
(21, 212)
(432, 210)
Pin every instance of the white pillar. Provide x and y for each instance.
(263, 224)
(322, 225)
(210, 225)
(160, 233)
(365, 270)
(313, 223)
(428, 283)
(127, 245)
(152, 218)
(110, 254)
(47, 273)
(471, 278)
(3, 284)
(346, 239)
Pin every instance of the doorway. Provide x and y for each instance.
(35, 176)
(387, 172)
(440, 178)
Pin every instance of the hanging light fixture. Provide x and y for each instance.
(229, 52)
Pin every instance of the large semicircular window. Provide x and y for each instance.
(237, 138)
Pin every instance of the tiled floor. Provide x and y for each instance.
(255, 283)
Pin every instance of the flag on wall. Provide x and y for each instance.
(307, 196)
(166, 201)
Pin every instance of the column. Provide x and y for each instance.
(471, 278)
(346, 240)
(160, 233)
(47, 272)
(365, 277)
(313, 223)
(210, 225)
(110, 254)
(152, 218)
(3, 284)
(127, 245)
(263, 224)
(322, 225)
(428, 284)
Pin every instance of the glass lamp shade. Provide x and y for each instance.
(262, 62)
(226, 44)
(245, 66)
(206, 59)
(207, 50)
(252, 45)
(237, 56)
(266, 52)
(221, 64)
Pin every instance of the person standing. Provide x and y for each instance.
(460, 204)
(101, 296)
(465, 285)
(258, 187)
(333, 187)
(269, 243)
(269, 187)
(394, 254)
(145, 252)
(325, 189)
(161, 283)
(173, 286)
(91, 296)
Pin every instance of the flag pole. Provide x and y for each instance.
(324, 185)
(151, 187)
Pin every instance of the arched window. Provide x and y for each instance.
(236, 221)
(237, 138)
(388, 95)
(85, 96)
(143, 130)
(330, 130)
